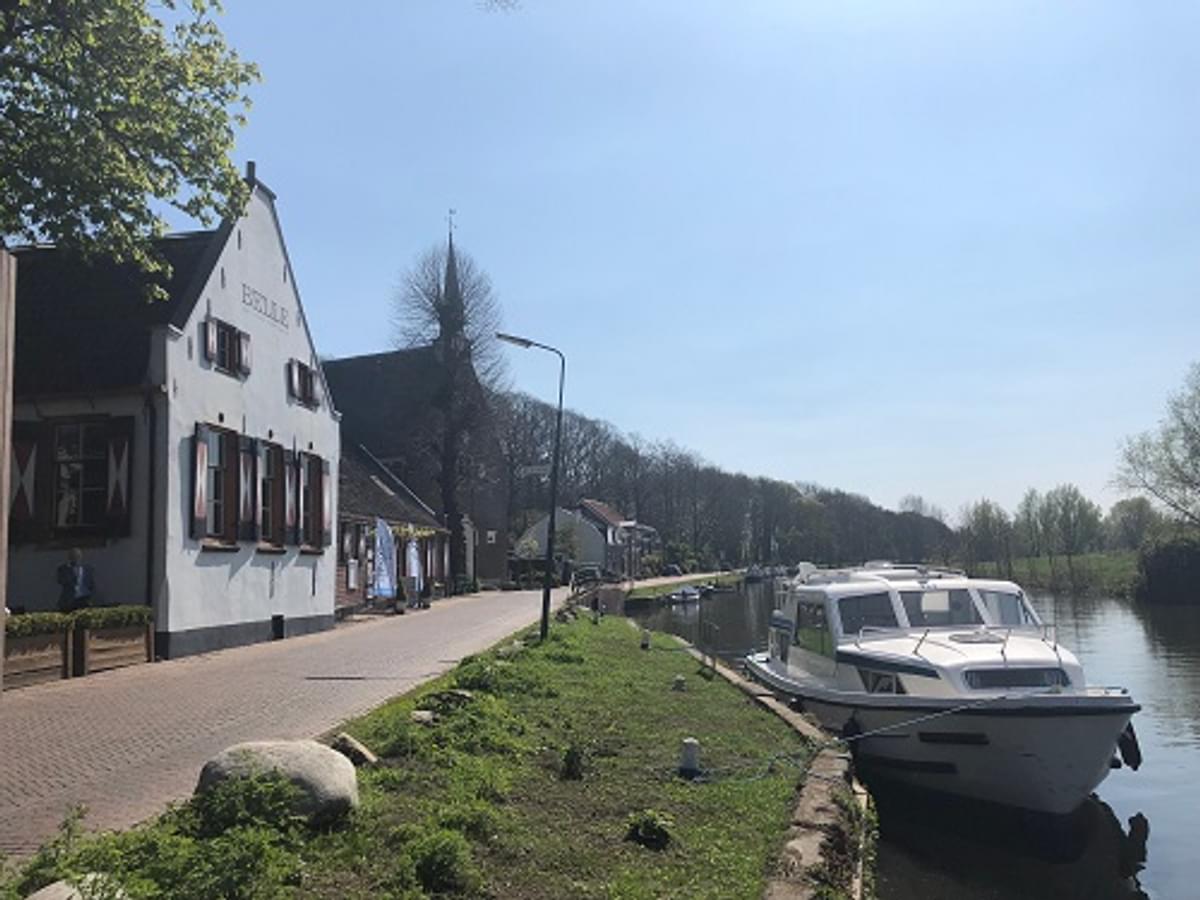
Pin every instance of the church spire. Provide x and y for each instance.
(450, 289)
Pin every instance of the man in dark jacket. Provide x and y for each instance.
(75, 582)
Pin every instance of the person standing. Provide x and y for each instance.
(75, 582)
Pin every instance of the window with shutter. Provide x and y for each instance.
(215, 496)
(271, 491)
(290, 483)
(226, 348)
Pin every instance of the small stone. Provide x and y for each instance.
(354, 750)
(423, 716)
(327, 782)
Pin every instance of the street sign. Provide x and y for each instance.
(541, 471)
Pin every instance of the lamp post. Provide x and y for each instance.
(525, 344)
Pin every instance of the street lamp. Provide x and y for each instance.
(525, 344)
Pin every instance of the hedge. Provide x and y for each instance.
(113, 616)
(1169, 570)
(26, 624)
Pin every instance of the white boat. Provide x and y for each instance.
(946, 682)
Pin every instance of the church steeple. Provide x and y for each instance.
(452, 315)
(451, 293)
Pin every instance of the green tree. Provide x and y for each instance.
(1027, 526)
(1130, 522)
(1165, 464)
(1078, 520)
(107, 110)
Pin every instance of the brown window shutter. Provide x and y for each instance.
(200, 482)
(326, 504)
(248, 489)
(290, 529)
(277, 498)
(261, 464)
(293, 379)
(210, 339)
(120, 475)
(243, 353)
(229, 474)
(302, 511)
(23, 471)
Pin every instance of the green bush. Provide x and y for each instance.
(1169, 570)
(28, 624)
(649, 828)
(443, 862)
(127, 616)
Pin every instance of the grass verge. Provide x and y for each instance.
(548, 771)
(1111, 574)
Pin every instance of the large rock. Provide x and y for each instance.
(327, 782)
(90, 885)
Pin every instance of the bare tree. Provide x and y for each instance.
(423, 310)
(1165, 464)
(445, 301)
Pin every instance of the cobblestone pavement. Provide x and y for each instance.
(126, 742)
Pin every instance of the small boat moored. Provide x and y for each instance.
(946, 682)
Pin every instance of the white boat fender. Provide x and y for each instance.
(1127, 743)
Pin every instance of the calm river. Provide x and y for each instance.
(933, 851)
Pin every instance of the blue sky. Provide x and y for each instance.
(947, 249)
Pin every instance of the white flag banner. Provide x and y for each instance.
(385, 561)
(414, 565)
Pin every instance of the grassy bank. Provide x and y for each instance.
(1109, 574)
(651, 591)
(528, 785)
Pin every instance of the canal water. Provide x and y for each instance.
(1138, 838)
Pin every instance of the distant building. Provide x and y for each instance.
(392, 403)
(597, 535)
(188, 445)
(368, 492)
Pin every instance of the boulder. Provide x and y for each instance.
(354, 750)
(90, 885)
(327, 782)
(423, 716)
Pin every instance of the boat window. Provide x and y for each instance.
(812, 629)
(880, 682)
(866, 611)
(1012, 677)
(1005, 608)
(932, 608)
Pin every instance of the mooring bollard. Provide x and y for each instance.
(689, 758)
(679, 684)
(645, 638)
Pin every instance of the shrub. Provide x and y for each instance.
(572, 764)
(442, 860)
(649, 828)
(265, 801)
(28, 624)
(1169, 570)
(126, 616)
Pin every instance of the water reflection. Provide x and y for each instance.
(1155, 652)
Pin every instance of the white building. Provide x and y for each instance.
(187, 445)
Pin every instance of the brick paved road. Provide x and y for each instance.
(127, 742)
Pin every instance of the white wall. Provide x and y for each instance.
(119, 564)
(205, 588)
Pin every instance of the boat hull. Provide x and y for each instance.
(1041, 753)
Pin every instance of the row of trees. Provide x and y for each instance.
(705, 515)
(1060, 524)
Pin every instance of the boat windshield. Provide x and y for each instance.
(1007, 608)
(944, 607)
(866, 611)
